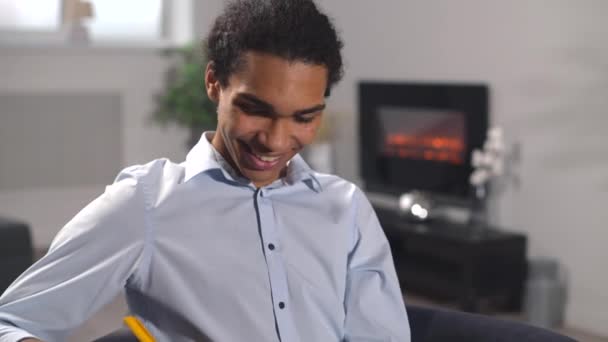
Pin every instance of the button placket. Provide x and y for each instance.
(276, 266)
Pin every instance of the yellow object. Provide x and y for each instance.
(138, 329)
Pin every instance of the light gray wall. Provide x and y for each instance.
(43, 136)
(547, 65)
(54, 83)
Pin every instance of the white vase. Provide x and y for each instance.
(479, 206)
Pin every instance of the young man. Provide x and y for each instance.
(242, 241)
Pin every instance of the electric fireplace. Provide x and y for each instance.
(419, 136)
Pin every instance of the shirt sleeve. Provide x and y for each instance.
(374, 305)
(88, 264)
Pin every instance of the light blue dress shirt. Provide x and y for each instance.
(203, 255)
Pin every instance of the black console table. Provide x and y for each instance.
(451, 261)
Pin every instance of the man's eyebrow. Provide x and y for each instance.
(312, 109)
(255, 100)
(259, 102)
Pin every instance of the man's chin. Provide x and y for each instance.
(260, 178)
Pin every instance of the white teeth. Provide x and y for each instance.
(267, 159)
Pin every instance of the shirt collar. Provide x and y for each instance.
(204, 157)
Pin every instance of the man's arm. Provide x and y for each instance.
(374, 304)
(87, 265)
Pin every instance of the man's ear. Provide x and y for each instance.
(212, 84)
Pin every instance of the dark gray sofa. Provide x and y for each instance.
(16, 251)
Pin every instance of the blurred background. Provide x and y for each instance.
(81, 84)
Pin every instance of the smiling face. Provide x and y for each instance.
(269, 110)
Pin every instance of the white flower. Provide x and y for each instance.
(479, 177)
(489, 162)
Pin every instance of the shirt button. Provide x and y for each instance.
(281, 305)
(271, 247)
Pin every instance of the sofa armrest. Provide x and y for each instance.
(433, 325)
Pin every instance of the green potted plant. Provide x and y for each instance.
(184, 99)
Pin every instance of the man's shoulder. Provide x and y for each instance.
(152, 174)
(338, 185)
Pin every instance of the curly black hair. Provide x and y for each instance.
(292, 29)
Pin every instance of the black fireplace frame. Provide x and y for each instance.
(395, 175)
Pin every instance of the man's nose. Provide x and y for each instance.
(276, 136)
